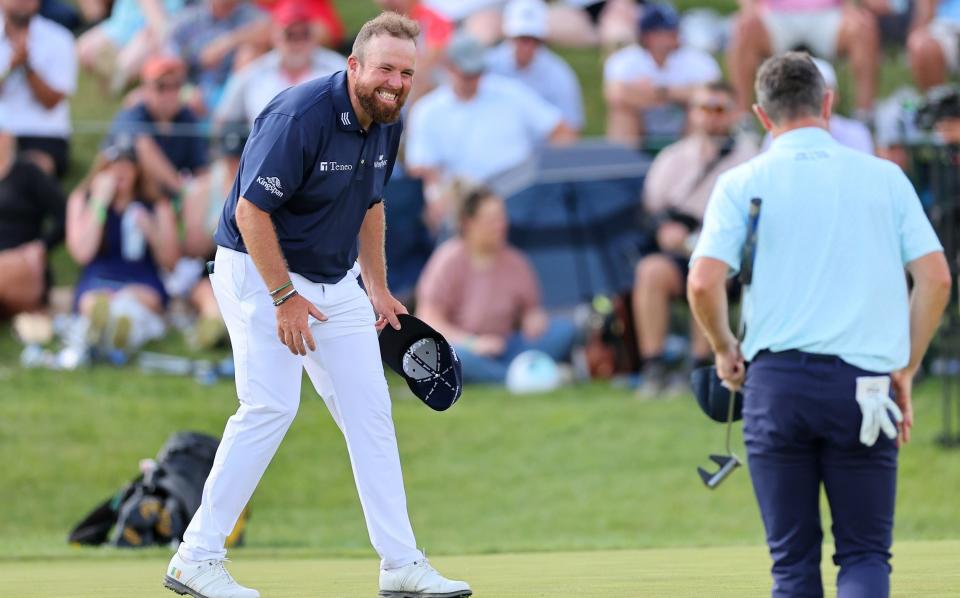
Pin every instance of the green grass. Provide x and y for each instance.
(585, 468)
(922, 569)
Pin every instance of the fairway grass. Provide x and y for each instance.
(927, 569)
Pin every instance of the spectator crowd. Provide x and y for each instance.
(491, 92)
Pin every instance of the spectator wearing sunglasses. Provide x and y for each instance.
(165, 132)
(675, 196)
(296, 57)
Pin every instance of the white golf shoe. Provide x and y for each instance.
(420, 580)
(203, 579)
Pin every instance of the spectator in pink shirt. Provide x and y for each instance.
(483, 295)
(828, 28)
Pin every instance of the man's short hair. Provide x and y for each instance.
(387, 23)
(789, 86)
(719, 86)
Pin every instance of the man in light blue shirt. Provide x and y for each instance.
(831, 329)
(525, 58)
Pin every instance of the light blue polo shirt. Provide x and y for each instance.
(836, 228)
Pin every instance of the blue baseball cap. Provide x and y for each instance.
(658, 17)
(425, 360)
(713, 397)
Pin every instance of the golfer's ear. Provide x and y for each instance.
(764, 118)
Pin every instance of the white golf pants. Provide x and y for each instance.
(345, 370)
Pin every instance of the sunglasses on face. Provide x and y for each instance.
(716, 109)
(297, 35)
(167, 86)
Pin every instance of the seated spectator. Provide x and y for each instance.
(483, 295)
(38, 72)
(167, 135)
(475, 127)
(207, 36)
(31, 224)
(202, 208)
(647, 86)
(122, 236)
(829, 28)
(849, 132)
(591, 23)
(296, 58)
(524, 57)
(933, 46)
(116, 49)
(675, 194)
(435, 33)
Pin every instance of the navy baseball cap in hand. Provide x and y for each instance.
(713, 397)
(425, 360)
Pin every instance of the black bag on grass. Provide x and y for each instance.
(155, 508)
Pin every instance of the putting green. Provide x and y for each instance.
(928, 569)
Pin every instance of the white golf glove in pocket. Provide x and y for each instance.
(873, 396)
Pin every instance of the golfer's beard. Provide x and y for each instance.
(376, 109)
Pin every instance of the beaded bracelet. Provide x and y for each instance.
(285, 298)
(289, 283)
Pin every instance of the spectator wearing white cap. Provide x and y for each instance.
(847, 131)
(475, 127)
(524, 57)
(647, 86)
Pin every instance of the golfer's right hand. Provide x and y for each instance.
(731, 367)
(293, 327)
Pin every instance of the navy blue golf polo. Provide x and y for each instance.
(316, 171)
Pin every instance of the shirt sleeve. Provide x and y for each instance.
(529, 288)
(422, 151)
(620, 67)
(917, 237)
(394, 148)
(271, 169)
(724, 227)
(702, 68)
(571, 100)
(57, 63)
(439, 280)
(542, 117)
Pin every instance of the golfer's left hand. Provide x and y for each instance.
(730, 366)
(387, 307)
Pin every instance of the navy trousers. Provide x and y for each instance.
(801, 427)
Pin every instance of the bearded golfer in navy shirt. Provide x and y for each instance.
(305, 218)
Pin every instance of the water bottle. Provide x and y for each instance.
(132, 242)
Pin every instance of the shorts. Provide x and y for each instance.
(816, 29)
(947, 34)
(57, 148)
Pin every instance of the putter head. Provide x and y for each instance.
(727, 464)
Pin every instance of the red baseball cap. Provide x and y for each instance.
(159, 66)
(288, 12)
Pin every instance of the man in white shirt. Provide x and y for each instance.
(38, 72)
(646, 86)
(475, 127)
(525, 58)
(296, 58)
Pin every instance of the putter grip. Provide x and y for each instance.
(750, 243)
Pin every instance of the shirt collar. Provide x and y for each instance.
(346, 118)
(805, 137)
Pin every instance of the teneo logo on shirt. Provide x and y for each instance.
(381, 162)
(271, 184)
(330, 166)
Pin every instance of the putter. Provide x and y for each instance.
(728, 461)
